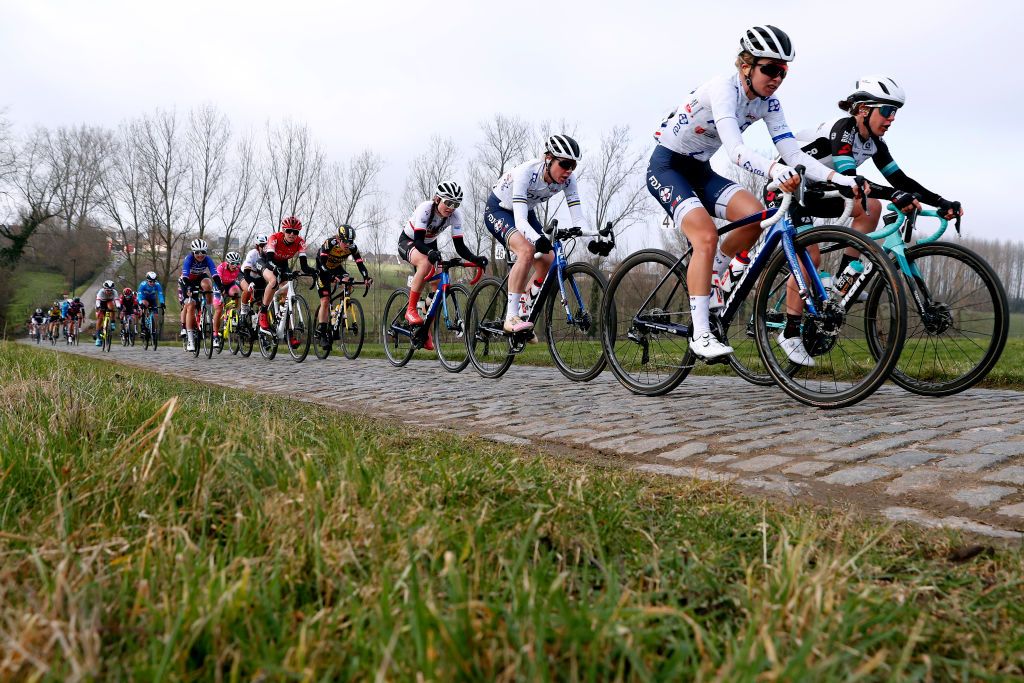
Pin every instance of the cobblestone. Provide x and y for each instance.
(982, 496)
(859, 474)
(1014, 474)
(760, 463)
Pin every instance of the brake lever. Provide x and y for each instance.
(956, 209)
(862, 185)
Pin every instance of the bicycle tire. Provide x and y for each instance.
(247, 340)
(738, 332)
(651, 374)
(845, 371)
(297, 326)
(578, 354)
(206, 331)
(268, 341)
(489, 351)
(351, 332)
(155, 330)
(450, 331)
(398, 348)
(961, 356)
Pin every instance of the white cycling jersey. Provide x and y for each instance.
(717, 113)
(523, 188)
(250, 259)
(421, 219)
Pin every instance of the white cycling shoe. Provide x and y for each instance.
(708, 347)
(795, 351)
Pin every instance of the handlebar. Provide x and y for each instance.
(602, 246)
(895, 220)
(458, 262)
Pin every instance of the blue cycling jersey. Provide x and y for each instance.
(150, 290)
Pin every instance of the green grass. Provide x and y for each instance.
(159, 529)
(33, 289)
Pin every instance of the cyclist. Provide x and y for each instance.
(76, 315)
(229, 272)
(680, 175)
(64, 304)
(150, 293)
(128, 305)
(330, 267)
(281, 248)
(417, 243)
(36, 322)
(105, 297)
(252, 277)
(53, 319)
(509, 216)
(197, 272)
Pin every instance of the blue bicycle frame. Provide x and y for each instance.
(440, 301)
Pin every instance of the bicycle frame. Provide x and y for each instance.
(439, 301)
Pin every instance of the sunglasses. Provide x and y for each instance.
(451, 203)
(567, 164)
(774, 70)
(291, 231)
(199, 253)
(886, 110)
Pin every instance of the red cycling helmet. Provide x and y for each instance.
(127, 291)
(291, 223)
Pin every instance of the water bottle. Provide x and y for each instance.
(716, 301)
(734, 272)
(848, 276)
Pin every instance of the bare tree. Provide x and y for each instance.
(78, 158)
(164, 165)
(618, 191)
(428, 169)
(123, 194)
(35, 186)
(207, 139)
(293, 179)
(352, 192)
(240, 208)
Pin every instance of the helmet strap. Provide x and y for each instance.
(750, 83)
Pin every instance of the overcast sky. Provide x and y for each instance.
(387, 75)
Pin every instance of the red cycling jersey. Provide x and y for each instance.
(280, 253)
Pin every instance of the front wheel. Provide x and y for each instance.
(395, 332)
(352, 330)
(646, 312)
(957, 320)
(573, 325)
(297, 329)
(206, 331)
(450, 329)
(845, 369)
(490, 349)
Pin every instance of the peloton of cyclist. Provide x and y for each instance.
(680, 175)
(229, 272)
(330, 268)
(417, 243)
(509, 216)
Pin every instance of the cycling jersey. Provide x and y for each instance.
(333, 253)
(717, 113)
(426, 217)
(838, 144)
(523, 188)
(76, 310)
(196, 269)
(64, 308)
(38, 319)
(150, 291)
(127, 304)
(54, 313)
(104, 295)
(279, 252)
(250, 260)
(227, 275)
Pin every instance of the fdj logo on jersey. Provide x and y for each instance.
(664, 191)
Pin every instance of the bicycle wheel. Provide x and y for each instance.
(957, 320)
(845, 370)
(397, 346)
(231, 332)
(268, 340)
(648, 287)
(738, 332)
(246, 336)
(155, 329)
(297, 329)
(490, 349)
(108, 338)
(352, 330)
(450, 329)
(575, 344)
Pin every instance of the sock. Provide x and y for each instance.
(792, 326)
(699, 315)
(414, 298)
(721, 261)
(513, 304)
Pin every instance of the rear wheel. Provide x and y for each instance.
(268, 340)
(352, 332)
(846, 370)
(574, 328)
(297, 329)
(397, 345)
(957, 320)
(206, 331)
(738, 332)
(450, 329)
(646, 293)
(490, 349)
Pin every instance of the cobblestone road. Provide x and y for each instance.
(956, 462)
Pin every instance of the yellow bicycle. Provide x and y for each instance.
(346, 325)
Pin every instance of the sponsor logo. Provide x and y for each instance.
(676, 202)
(665, 194)
(751, 117)
(653, 180)
(773, 105)
(845, 150)
(699, 130)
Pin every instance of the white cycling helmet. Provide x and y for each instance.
(768, 42)
(877, 90)
(450, 190)
(233, 258)
(199, 245)
(261, 240)
(563, 147)
(39, 311)
(151, 276)
(108, 284)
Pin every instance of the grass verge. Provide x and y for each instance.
(160, 529)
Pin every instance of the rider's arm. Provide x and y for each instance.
(572, 200)
(462, 249)
(722, 97)
(358, 258)
(186, 267)
(419, 240)
(900, 180)
(792, 153)
(521, 177)
(304, 263)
